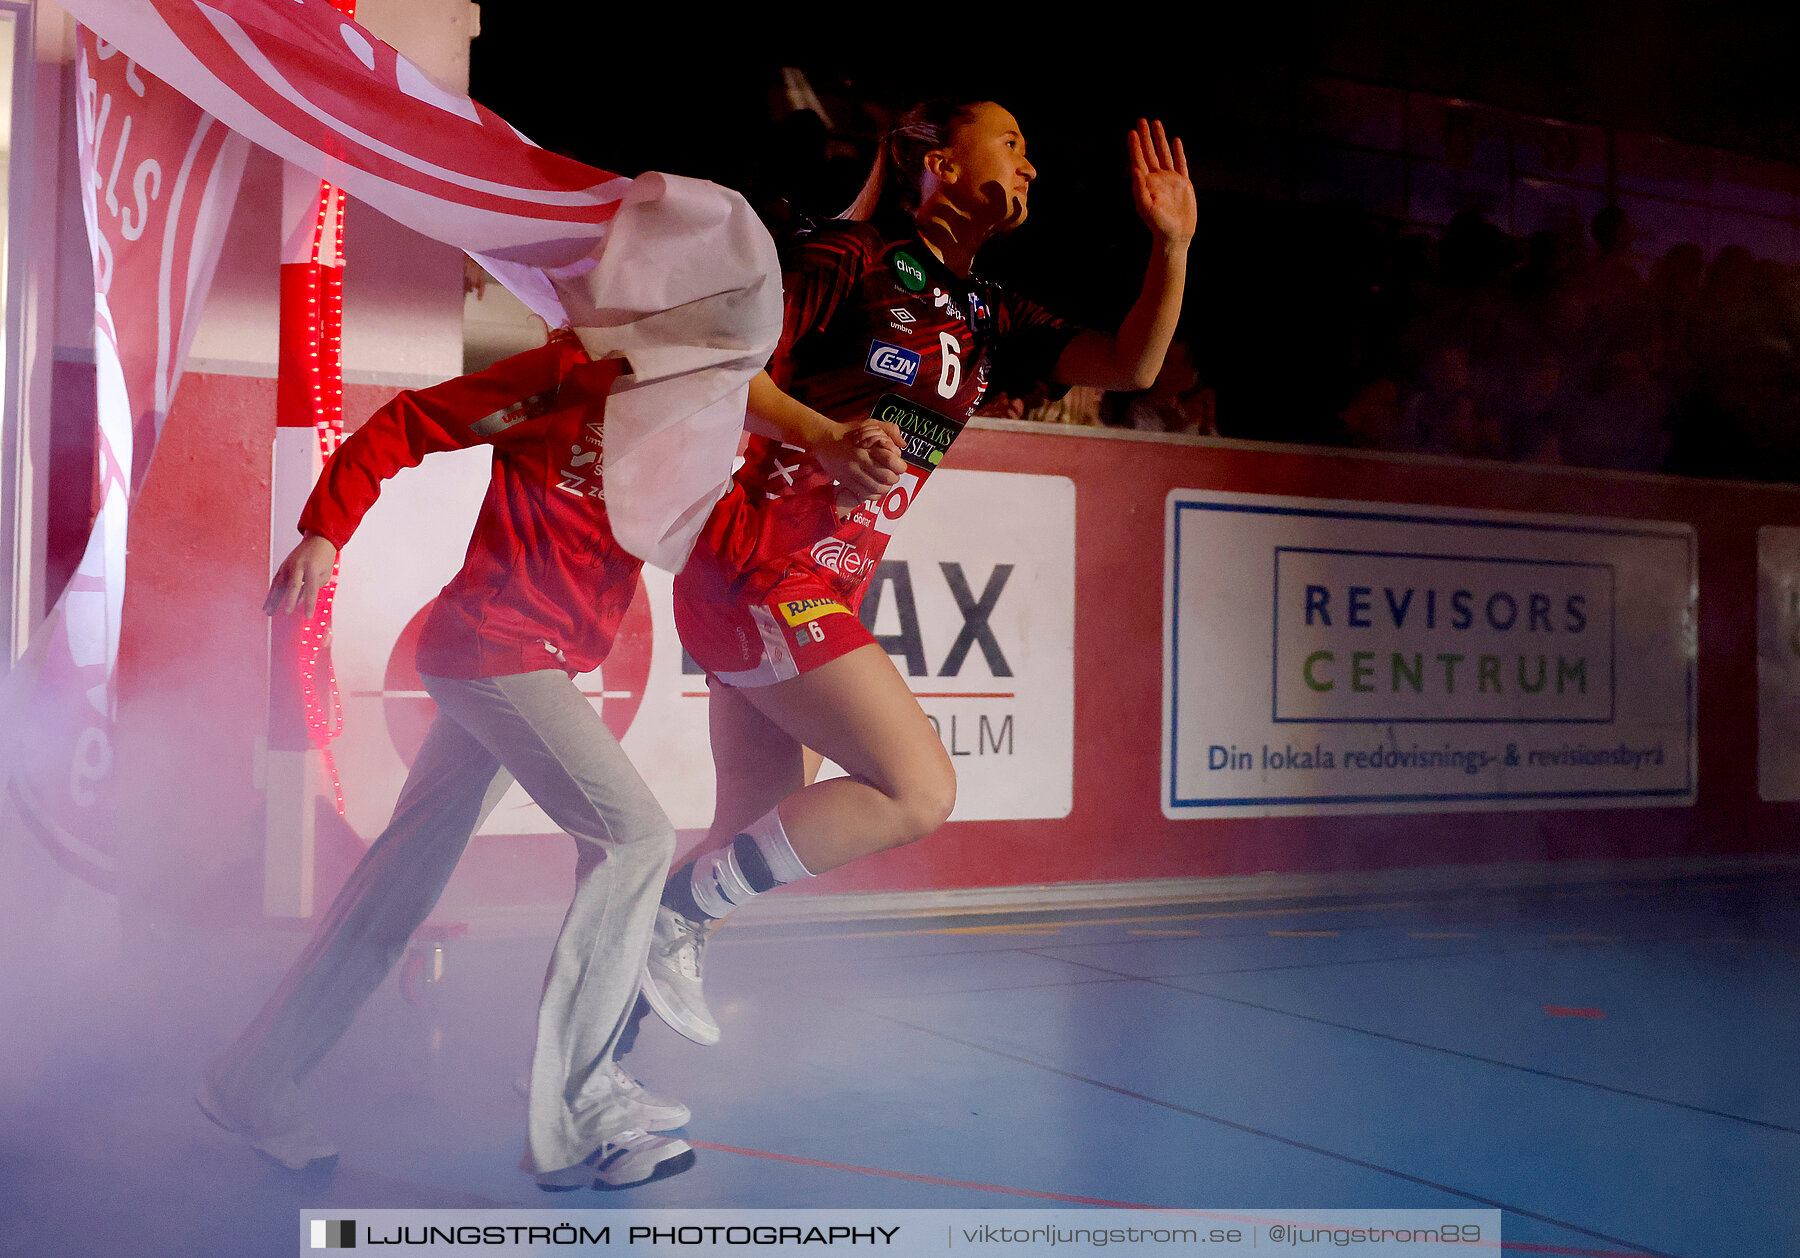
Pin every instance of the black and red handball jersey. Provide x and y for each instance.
(876, 326)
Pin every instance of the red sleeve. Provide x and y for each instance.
(488, 407)
(818, 276)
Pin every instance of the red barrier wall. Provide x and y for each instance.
(1116, 830)
(194, 666)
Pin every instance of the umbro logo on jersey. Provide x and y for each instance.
(518, 412)
(901, 313)
(890, 362)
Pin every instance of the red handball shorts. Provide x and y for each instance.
(798, 626)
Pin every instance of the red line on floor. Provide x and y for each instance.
(1572, 1011)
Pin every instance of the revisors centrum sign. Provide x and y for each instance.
(1325, 656)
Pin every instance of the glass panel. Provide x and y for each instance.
(9, 27)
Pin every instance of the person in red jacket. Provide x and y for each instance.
(537, 602)
(885, 318)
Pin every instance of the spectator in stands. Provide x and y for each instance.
(1080, 405)
(1176, 402)
(1200, 412)
(1443, 413)
(1619, 419)
(1373, 420)
(1000, 405)
(1528, 412)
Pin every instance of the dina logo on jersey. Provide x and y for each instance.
(890, 362)
(911, 273)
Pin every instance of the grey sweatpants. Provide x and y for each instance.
(537, 728)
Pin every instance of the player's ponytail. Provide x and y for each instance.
(899, 168)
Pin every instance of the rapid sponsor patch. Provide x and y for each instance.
(890, 362)
(799, 611)
(928, 434)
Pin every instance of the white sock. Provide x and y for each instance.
(757, 860)
(772, 841)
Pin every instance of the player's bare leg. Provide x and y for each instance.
(855, 710)
(858, 711)
(756, 763)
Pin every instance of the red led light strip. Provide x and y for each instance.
(324, 323)
(324, 320)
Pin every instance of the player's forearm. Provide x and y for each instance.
(1149, 327)
(786, 418)
(1127, 361)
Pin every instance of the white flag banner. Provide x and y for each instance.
(677, 274)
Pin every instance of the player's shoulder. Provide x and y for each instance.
(836, 236)
(868, 242)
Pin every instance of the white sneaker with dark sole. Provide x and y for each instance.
(672, 979)
(644, 1108)
(296, 1148)
(627, 1159)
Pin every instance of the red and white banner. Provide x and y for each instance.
(158, 179)
(676, 274)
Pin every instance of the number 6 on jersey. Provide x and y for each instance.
(950, 378)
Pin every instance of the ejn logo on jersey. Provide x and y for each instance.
(890, 362)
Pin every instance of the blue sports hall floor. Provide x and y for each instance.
(1616, 1067)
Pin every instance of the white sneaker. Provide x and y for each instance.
(672, 976)
(627, 1158)
(649, 1110)
(296, 1148)
(646, 1109)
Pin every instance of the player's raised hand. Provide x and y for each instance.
(297, 582)
(1160, 186)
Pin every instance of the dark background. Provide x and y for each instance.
(664, 96)
(1292, 306)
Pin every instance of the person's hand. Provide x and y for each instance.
(1160, 186)
(864, 458)
(306, 571)
(873, 432)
